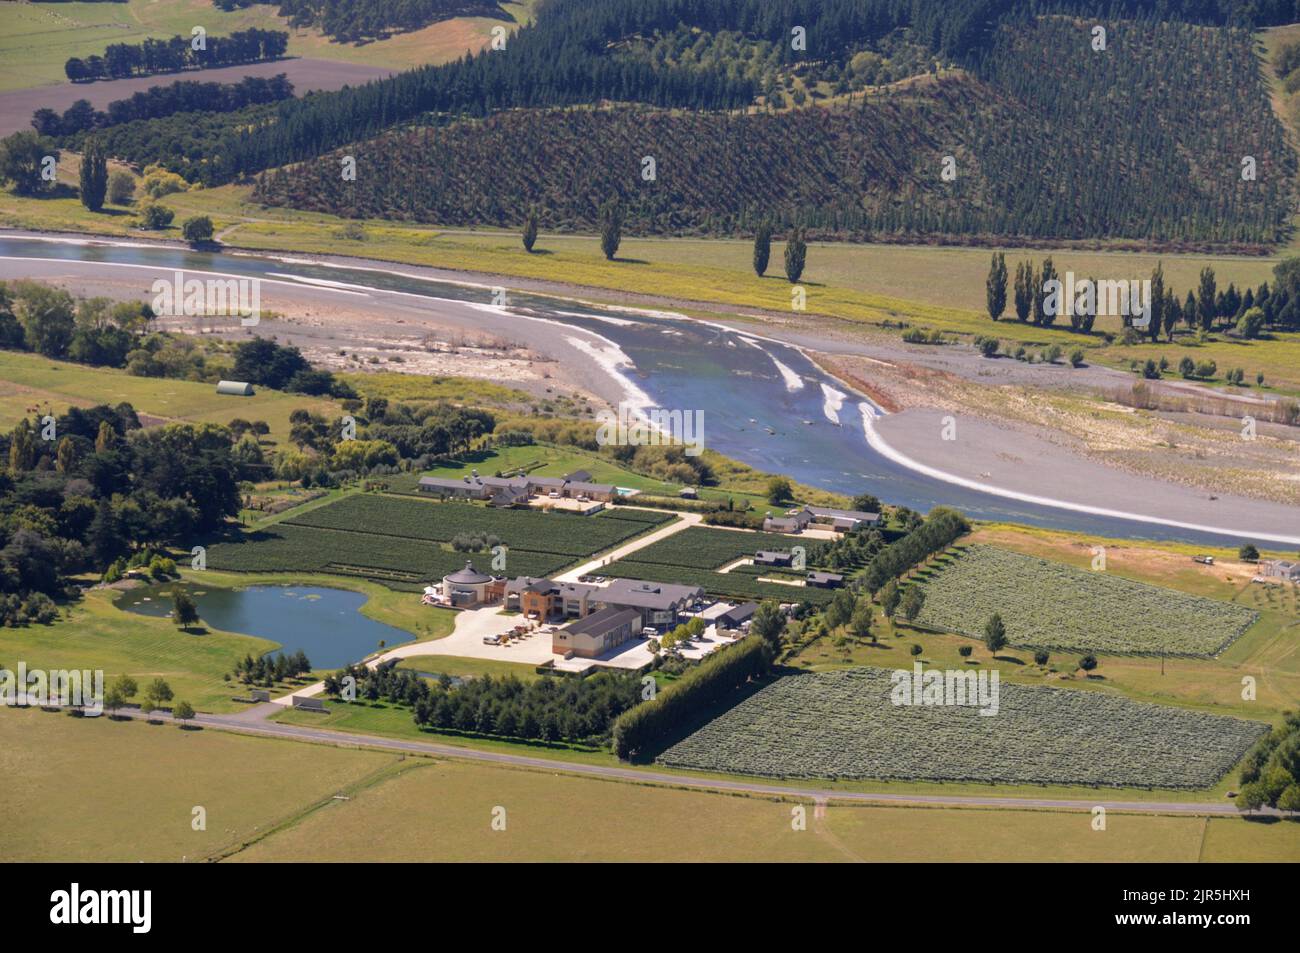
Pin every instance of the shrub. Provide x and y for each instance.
(1088, 662)
(965, 651)
(156, 216)
(197, 229)
(1076, 357)
(121, 187)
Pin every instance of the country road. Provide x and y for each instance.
(254, 725)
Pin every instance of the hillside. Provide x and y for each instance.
(1038, 154)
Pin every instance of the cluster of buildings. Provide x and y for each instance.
(602, 617)
(782, 559)
(519, 490)
(1283, 569)
(796, 521)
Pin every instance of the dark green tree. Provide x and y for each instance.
(611, 227)
(762, 249)
(995, 634)
(94, 177)
(530, 229)
(796, 255)
(996, 286)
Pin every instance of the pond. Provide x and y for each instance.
(327, 624)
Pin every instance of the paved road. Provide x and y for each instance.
(242, 723)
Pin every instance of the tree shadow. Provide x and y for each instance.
(1009, 659)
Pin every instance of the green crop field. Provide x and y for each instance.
(402, 542)
(702, 547)
(396, 562)
(528, 530)
(1051, 605)
(844, 725)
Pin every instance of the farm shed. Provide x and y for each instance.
(235, 388)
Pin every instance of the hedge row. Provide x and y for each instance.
(643, 728)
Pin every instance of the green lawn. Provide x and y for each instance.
(29, 380)
(97, 635)
(468, 667)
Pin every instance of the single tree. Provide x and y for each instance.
(1088, 662)
(530, 229)
(779, 490)
(611, 227)
(796, 255)
(762, 248)
(24, 156)
(197, 230)
(1248, 553)
(158, 692)
(995, 634)
(996, 286)
(121, 187)
(913, 600)
(183, 712)
(860, 621)
(1024, 290)
(185, 612)
(94, 177)
(1157, 302)
(1206, 300)
(890, 597)
(114, 699)
(1041, 657)
(1044, 316)
(768, 624)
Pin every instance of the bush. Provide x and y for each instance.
(156, 216)
(916, 649)
(197, 229)
(1187, 367)
(965, 651)
(1076, 358)
(1041, 657)
(1088, 662)
(1248, 553)
(121, 187)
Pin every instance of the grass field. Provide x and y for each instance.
(93, 789)
(97, 635)
(1051, 605)
(29, 381)
(446, 812)
(849, 724)
(36, 39)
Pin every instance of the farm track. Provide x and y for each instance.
(325, 736)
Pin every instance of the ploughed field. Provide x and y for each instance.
(845, 725)
(405, 543)
(1050, 605)
(693, 556)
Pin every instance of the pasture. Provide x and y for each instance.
(445, 810)
(845, 724)
(30, 381)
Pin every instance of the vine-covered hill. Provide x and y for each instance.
(1049, 138)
